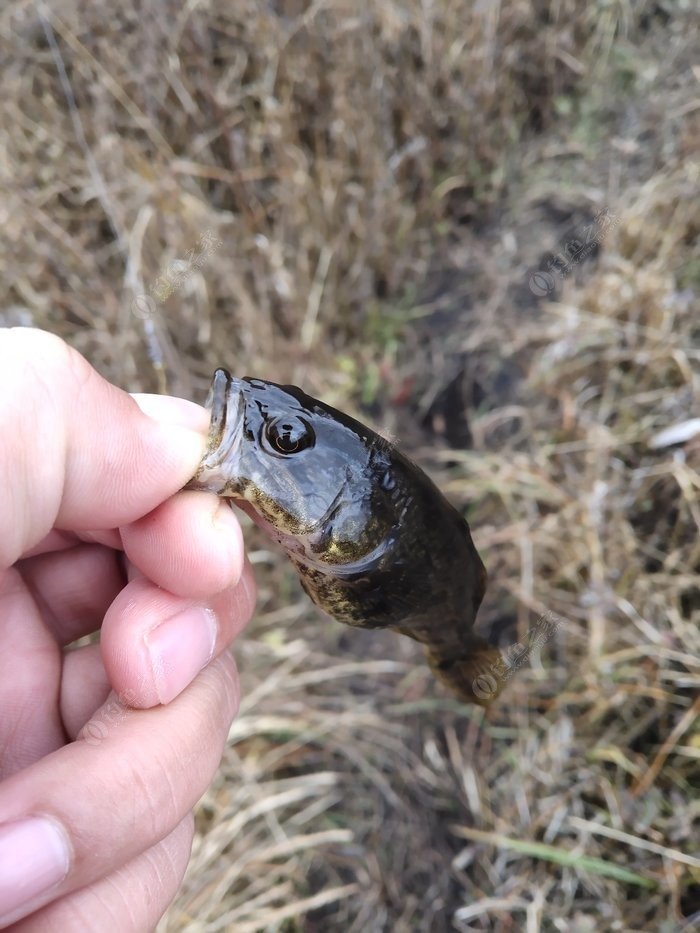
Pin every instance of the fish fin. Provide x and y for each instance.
(476, 671)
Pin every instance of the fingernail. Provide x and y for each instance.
(248, 582)
(34, 856)
(179, 648)
(173, 411)
(229, 528)
(183, 426)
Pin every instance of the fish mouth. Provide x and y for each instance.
(361, 567)
(218, 471)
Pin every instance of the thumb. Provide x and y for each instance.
(79, 453)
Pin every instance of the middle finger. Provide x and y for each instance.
(74, 588)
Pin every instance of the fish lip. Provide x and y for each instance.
(217, 470)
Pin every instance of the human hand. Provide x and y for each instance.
(96, 789)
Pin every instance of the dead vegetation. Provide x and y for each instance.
(376, 202)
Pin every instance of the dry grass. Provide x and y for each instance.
(383, 183)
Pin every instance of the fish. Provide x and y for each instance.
(375, 543)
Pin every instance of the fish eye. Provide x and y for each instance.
(289, 435)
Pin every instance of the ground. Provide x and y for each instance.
(474, 225)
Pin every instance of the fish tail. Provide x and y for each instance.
(475, 671)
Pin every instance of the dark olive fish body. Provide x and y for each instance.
(375, 543)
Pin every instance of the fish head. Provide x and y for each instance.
(315, 479)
